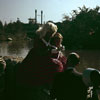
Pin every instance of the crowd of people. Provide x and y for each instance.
(47, 74)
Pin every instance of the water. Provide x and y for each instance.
(15, 48)
(89, 58)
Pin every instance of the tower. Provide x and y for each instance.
(35, 16)
(41, 17)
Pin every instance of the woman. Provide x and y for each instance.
(37, 70)
(56, 42)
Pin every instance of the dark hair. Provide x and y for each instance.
(73, 59)
(95, 78)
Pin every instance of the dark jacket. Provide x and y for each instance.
(36, 73)
(68, 85)
(38, 68)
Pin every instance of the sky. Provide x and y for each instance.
(53, 10)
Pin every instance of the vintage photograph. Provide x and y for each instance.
(49, 50)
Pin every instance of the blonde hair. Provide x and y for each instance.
(49, 26)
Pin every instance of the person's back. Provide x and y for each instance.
(38, 68)
(43, 73)
(68, 85)
(36, 75)
(37, 60)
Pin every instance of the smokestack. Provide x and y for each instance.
(41, 17)
(35, 16)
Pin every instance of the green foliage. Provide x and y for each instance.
(82, 29)
(1, 26)
(17, 30)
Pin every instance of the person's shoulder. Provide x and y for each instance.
(74, 74)
(78, 74)
(78, 78)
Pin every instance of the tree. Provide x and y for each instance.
(83, 30)
(1, 26)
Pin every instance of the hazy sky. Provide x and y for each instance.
(52, 9)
